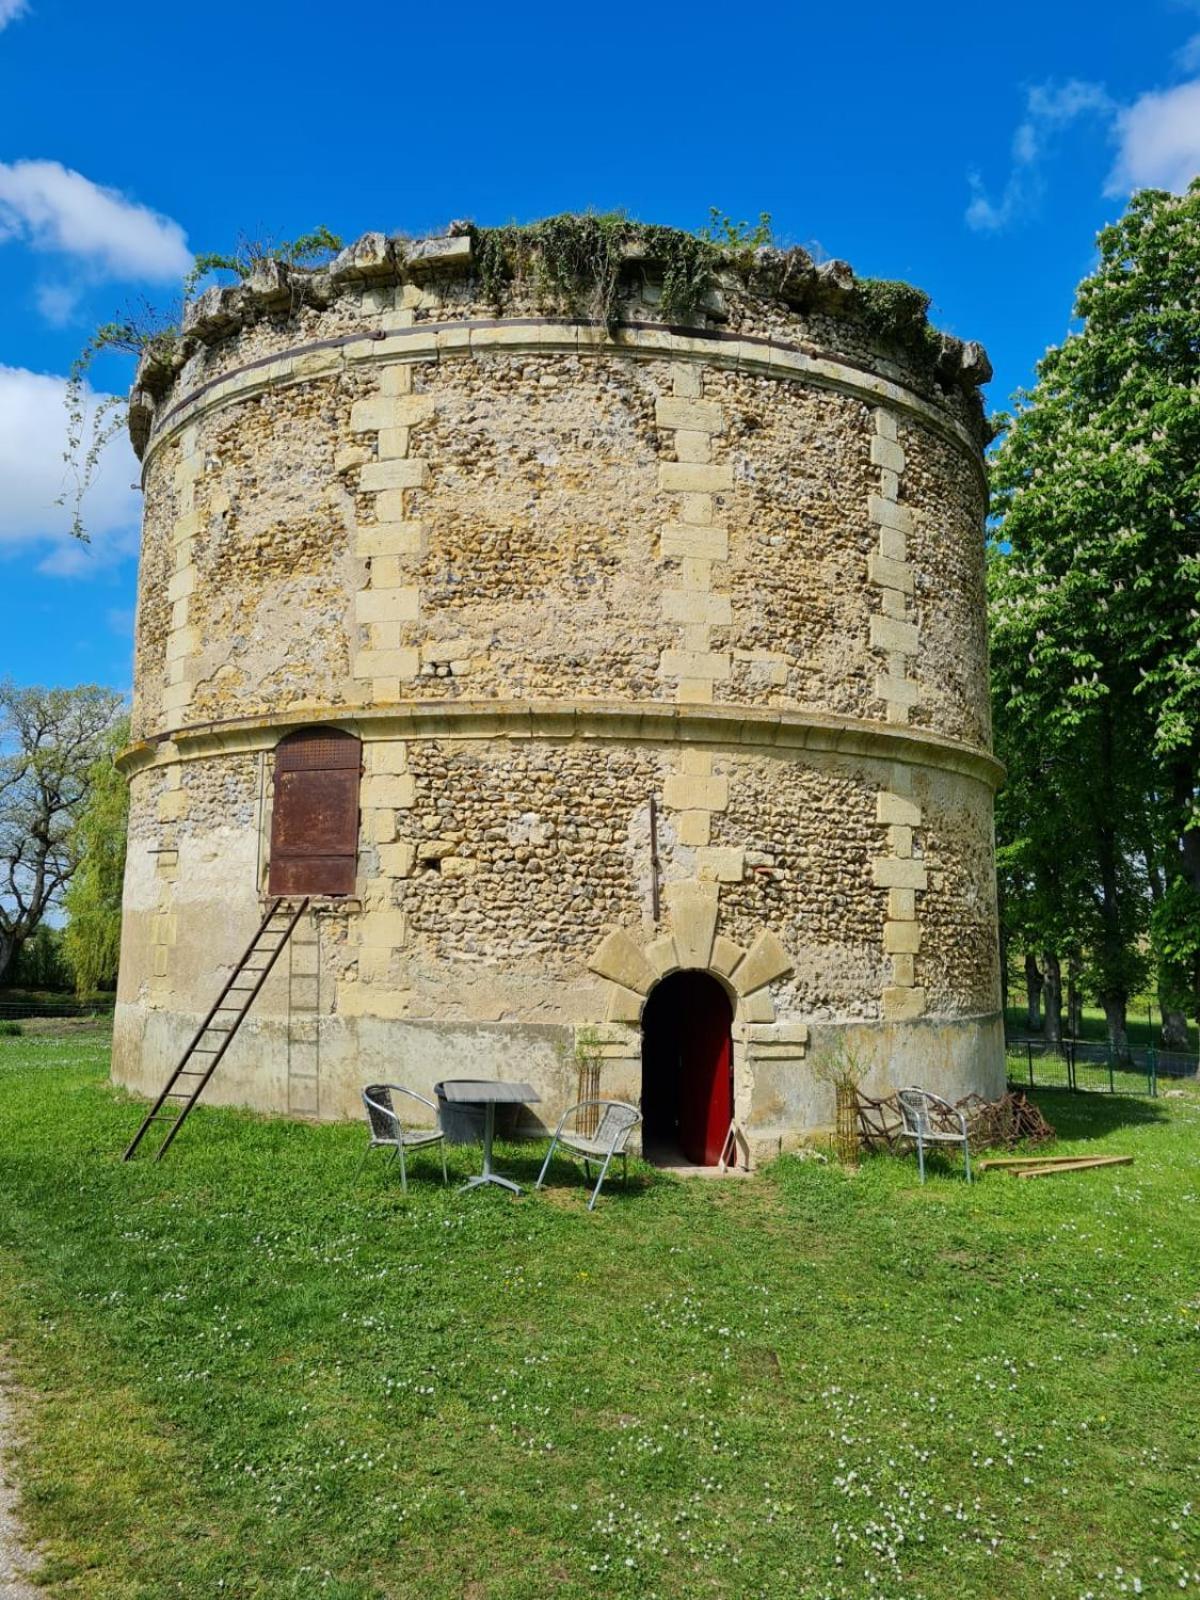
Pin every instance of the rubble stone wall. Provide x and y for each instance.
(554, 578)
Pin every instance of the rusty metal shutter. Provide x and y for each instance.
(314, 821)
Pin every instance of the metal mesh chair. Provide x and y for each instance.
(387, 1131)
(928, 1119)
(617, 1122)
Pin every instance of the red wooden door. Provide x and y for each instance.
(314, 820)
(706, 1076)
(687, 1077)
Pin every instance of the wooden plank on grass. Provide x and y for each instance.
(1025, 1161)
(1085, 1164)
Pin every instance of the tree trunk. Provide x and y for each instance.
(1074, 997)
(1033, 993)
(9, 945)
(1174, 1033)
(1053, 996)
(1118, 1038)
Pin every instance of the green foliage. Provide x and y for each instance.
(739, 237)
(1095, 587)
(271, 1370)
(11, 1030)
(143, 327)
(92, 937)
(309, 250)
(894, 310)
(40, 963)
(575, 262)
(841, 1067)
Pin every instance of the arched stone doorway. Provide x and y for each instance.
(687, 1069)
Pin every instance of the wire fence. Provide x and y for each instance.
(1090, 1064)
(26, 1010)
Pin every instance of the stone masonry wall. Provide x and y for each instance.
(562, 581)
(529, 526)
(488, 863)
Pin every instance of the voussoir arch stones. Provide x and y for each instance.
(632, 968)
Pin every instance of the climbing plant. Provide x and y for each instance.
(146, 327)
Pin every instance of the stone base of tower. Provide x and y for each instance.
(276, 1068)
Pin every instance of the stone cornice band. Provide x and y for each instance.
(541, 335)
(630, 723)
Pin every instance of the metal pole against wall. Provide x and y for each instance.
(654, 857)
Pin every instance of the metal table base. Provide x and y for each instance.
(487, 1175)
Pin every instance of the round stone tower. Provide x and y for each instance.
(616, 669)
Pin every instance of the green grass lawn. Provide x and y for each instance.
(250, 1374)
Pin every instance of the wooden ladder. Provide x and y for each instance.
(214, 1035)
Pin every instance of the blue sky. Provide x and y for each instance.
(971, 151)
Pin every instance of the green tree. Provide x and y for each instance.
(50, 740)
(1069, 820)
(1097, 496)
(92, 937)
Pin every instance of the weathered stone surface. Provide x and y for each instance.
(765, 961)
(371, 504)
(621, 961)
(693, 909)
(370, 257)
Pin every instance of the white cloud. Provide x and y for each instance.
(1159, 141)
(33, 436)
(1049, 109)
(55, 209)
(1187, 57)
(10, 10)
(58, 302)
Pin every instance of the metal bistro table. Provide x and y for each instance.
(488, 1093)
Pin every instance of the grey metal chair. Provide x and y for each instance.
(388, 1132)
(928, 1119)
(617, 1122)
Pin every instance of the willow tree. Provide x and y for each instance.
(92, 937)
(1096, 598)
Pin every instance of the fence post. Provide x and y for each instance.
(1152, 1064)
(1071, 1080)
(1029, 1053)
(1112, 1088)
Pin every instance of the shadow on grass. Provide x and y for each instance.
(1084, 1114)
(521, 1163)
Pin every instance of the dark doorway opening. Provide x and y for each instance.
(314, 817)
(687, 1069)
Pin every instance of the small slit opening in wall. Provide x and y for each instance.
(430, 863)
